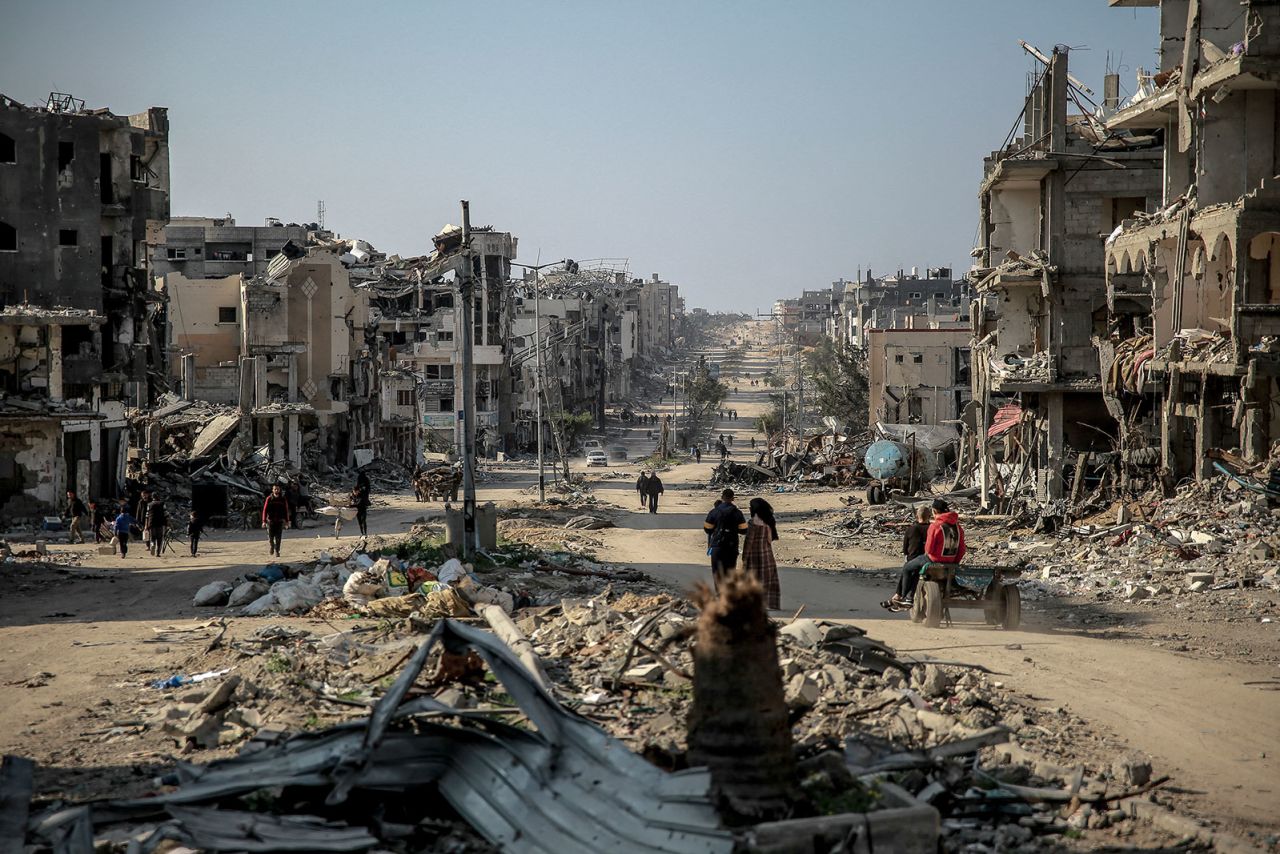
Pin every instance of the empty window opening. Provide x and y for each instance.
(917, 358)
(106, 188)
(175, 253)
(8, 238)
(66, 153)
(226, 314)
(137, 172)
(898, 359)
(8, 149)
(68, 237)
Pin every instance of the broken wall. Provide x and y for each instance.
(32, 472)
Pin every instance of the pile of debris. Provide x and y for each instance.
(891, 751)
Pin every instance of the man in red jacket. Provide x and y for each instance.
(276, 513)
(943, 544)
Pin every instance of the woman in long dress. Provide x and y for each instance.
(757, 551)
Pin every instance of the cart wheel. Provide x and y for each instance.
(875, 495)
(917, 606)
(995, 610)
(1012, 607)
(932, 592)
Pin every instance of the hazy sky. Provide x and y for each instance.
(745, 150)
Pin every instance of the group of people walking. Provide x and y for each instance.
(147, 518)
(728, 413)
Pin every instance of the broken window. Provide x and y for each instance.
(8, 149)
(917, 358)
(107, 188)
(8, 238)
(899, 359)
(226, 314)
(446, 335)
(175, 253)
(66, 153)
(68, 237)
(404, 397)
(136, 170)
(446, 404)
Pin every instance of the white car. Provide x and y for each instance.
(597, 458)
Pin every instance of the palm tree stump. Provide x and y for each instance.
(738, 720)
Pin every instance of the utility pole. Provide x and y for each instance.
(537, 369)
(466, 289)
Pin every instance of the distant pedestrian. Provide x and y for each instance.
(723, 525)
(276, 513)
(98, 518)
(75, 512)
(360, 500)
(753, 443)
(156, 525)
(724, 452)
(697, 454)
(757, 551)
(195, 527)
(650, 487)
(121, 527)
(140, 514)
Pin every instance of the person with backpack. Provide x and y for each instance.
(723, 525)
(943, 543)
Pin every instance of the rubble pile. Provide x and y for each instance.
(873, 731)
(1212, 536)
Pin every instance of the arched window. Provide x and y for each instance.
(8, 238)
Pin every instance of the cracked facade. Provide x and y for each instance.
(81, 330)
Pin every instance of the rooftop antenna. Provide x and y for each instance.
(320, 214)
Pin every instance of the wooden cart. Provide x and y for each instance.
(992, 589)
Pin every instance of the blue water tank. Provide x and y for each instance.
(886, 460)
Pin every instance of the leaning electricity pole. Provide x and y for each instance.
(466, 290)
(537, 370)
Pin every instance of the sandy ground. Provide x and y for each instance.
(91, 629)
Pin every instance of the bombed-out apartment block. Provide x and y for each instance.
(291, 348)
(917, 375)
(80, 326)
(1047, 201)
(1193, 284)
(201, 247)
(905, 300)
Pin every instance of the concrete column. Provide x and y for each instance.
(55, 362)
(293, 377)
(277, 438)
(1168, 421)
(248, 370)
(1055, 448)
(153, 441)
(260, 381)
(295, 442)
(189, 376)
(1203, 430)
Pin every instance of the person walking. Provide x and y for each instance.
(724, 452)
(275, 515)
(650, 488)
(75, 512)
(157, 524)
(640, 488)
(723, 525)
(195, 527)
(757, 551)
(122, 525)
(360, 501)
(98, 519)
(697, 453)
(140, 515)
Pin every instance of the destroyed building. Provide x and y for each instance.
(1190, 358)
(901, 301)
(1047, 200)
(290, 349)
(917, 375)
(202, 247)
(81, 329)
